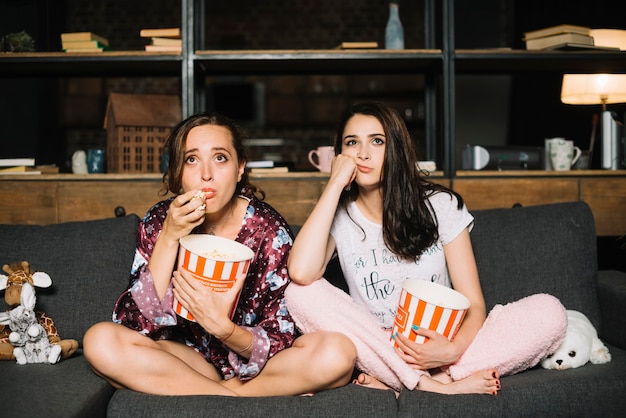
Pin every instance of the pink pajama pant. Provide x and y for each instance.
(513, 338)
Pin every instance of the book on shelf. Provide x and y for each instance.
(163, 48)
(27, 171)
(79, 50)
(262, 170)
(157, 40)
(569, 46)
(13, 162)
(357, 45)
(23, 169)
(93, 44)
(556, 30)
(83, 36)
(47, 169)
(160, 33)
(550, 42)
(262, 164)
(16, 169)
(268, 166)
(614, 38)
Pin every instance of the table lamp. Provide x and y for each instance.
(578, 89)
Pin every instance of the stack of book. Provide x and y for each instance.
(17, 165)
(83, 42)
(559, 37)
(269, 166)
(163, 40)
(25, 166)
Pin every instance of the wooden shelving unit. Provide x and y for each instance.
(439, 64)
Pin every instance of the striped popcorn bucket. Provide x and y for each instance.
(429, 305)
(215, 261)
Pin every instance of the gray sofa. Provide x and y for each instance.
(519, 251)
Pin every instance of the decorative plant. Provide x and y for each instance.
(17, 42)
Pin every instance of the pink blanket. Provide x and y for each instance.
(499, 343)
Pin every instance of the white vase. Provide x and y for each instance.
(394, 33)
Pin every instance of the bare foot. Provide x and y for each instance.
(440, 376)
(482, 382)
(371, 382)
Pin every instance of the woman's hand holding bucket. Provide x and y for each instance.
(211, 309)
(436, 353)
(211, 265)
(427, 319)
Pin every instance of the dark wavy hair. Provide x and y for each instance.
(175, 147)
(409, 223)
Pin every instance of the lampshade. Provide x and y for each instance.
(593, 89)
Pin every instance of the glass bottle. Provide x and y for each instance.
(394, 33)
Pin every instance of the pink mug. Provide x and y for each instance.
(324, 156)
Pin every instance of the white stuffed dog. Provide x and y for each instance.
(581, 345)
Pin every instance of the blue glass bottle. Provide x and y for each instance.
(394, 33)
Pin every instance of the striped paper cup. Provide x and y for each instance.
(215, 261)
(429, 305)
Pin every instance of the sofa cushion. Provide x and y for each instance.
(594, 390)
(612, 294)
(347, 401)
(538, 249)
(89, 263)
(66, 389)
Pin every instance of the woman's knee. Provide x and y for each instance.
(549, 310)
(101, 344)
(331, 351)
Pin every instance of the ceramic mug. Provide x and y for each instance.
(584, 162)
(563, 154)
(95, 160)
(547, 163)
(324, 156)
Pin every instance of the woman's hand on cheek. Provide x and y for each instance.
(437, 351)
(343, 170)
(210, 309)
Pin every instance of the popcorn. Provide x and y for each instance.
(200, 195)
(214, 254)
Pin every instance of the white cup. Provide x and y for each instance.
(324, 157)
(563, 154)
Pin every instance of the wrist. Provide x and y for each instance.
(248, 347)
(455, 352)
(228, 334)
(168, 240)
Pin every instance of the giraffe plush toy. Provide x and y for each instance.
(19, 275)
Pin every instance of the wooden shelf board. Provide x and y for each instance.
(319, 60)
(539, 173)
(519, 60)
(108, 63)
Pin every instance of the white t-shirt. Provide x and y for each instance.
(374, 274)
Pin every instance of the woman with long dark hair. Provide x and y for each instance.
(385, 222)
